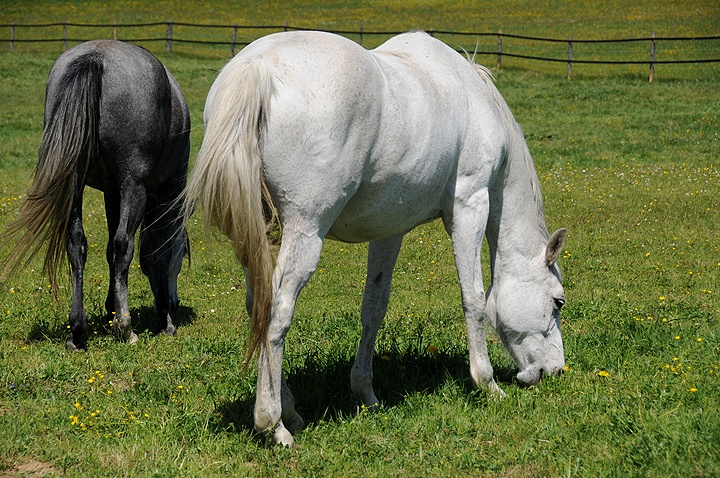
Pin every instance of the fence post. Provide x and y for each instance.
(12, 36)
(361, 35)
(431, 33)
(115, 30)
(569, 58)
(286, 25)
(64, 36)
(168, 36)
(652, 58)
(235, 27)
(499, 50)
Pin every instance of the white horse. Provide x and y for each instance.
(358, 145)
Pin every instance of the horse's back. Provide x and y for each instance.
(428, 126)
(450, 109)
(323, 75)
(366, 143)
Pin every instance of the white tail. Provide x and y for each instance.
(228, 181)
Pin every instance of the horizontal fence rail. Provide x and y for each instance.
(700, 50)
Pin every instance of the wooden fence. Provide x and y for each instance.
(692, 50)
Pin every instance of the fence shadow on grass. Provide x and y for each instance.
(321, 386)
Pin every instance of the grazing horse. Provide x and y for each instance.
(358, 145)
(116, 120)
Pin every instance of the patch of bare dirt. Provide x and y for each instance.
(31, 469)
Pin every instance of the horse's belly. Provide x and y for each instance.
(355, 231)
(366, 218)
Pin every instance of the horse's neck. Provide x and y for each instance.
(516, 229)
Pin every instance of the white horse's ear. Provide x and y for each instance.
(554, 247)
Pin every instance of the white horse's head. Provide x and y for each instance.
(524, 308)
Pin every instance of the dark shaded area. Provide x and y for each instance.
(144, 319)
(321, 386)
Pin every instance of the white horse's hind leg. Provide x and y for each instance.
(299, 255)
(467, 229)
(293, 422)
(381, 262)
(291, 419)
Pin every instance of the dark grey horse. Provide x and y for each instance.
(116, 120)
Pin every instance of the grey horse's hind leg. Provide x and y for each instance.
(132, 207)
(291, 418)
(112, 214)
(381, 262)
(77, 256)
(162, 248)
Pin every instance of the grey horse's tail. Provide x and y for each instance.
(70, 139)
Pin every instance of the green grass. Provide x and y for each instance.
(630, 168)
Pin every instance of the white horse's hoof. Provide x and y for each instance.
(283, 437)
(295, 423)
(498, 393)
(492, 389)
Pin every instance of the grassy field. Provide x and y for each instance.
(614, 19)
(631, 169)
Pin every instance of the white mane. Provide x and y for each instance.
(518, 140)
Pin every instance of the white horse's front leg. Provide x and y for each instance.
(298, 257)
(381, 262)
(467, 229)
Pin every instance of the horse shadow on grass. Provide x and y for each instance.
(322, 387)
(144, 320)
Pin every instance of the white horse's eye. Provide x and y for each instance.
(559, 302)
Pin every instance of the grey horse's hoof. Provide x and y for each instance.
(71, 347)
